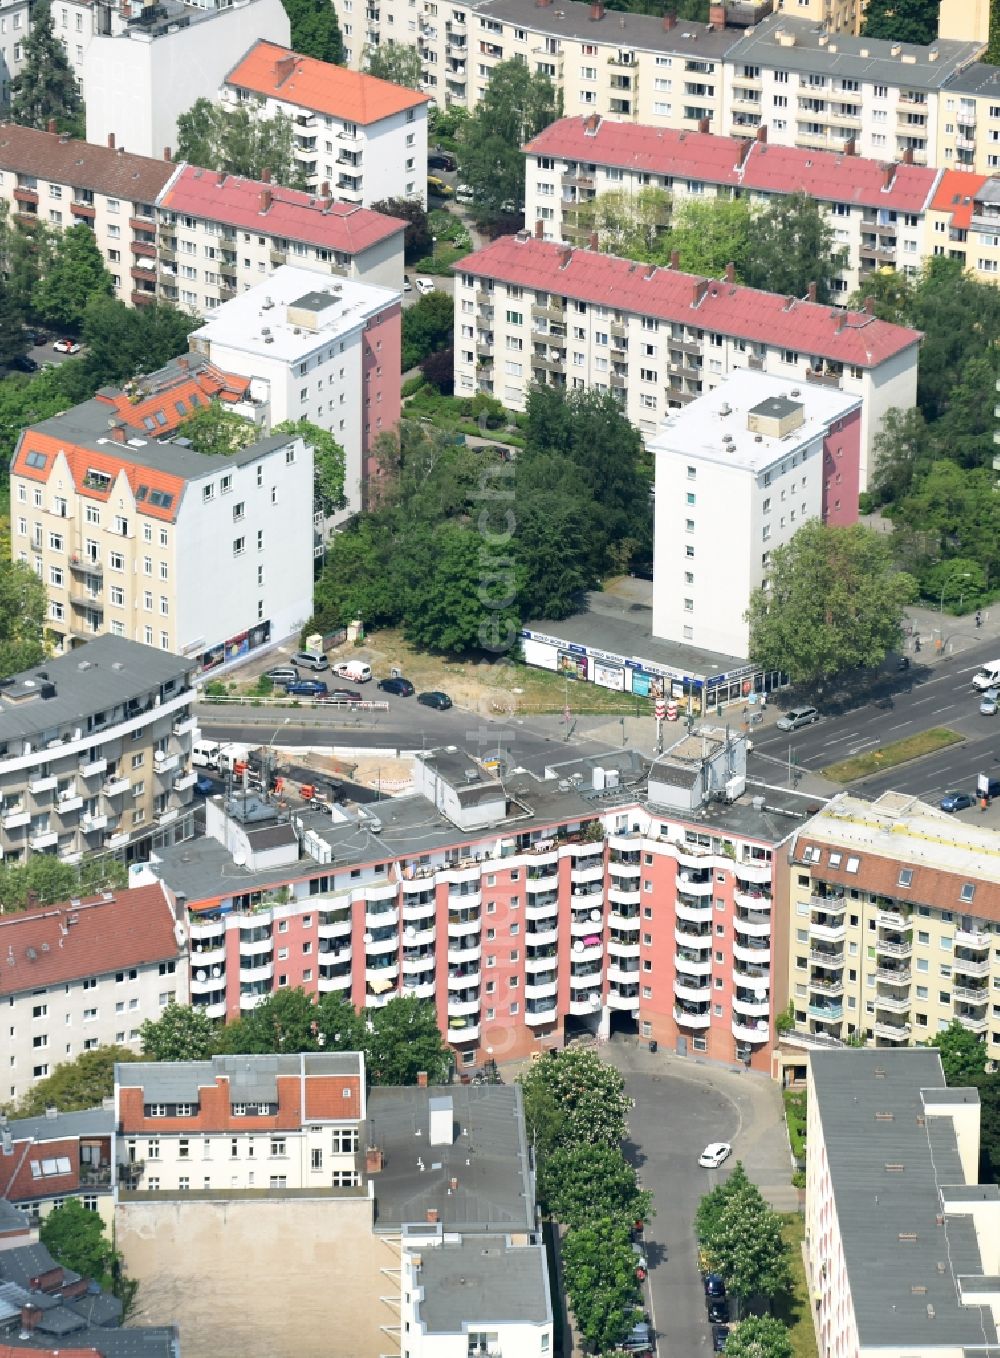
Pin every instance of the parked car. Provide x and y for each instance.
(205, 786)
(66, 346)
(343, 695)
(441, 160)
(640, 1339)
(718, 1310)
(463, 194)
(714, 1154)
(354, 670)
(407, 285)
(641, 1266)
(435, 698)
(423, 285)
(310, 660)
(282, 674)
(988, 702)
(720, 1333)
(24, 363)
(715, 1285)
(955, 801)
(398, 685)
(437, 188)
(797, 717)
(307, 688)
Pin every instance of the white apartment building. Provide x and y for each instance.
(85, 974)
(76, 22)
(365, 138)
(745, 464)
(170, 54)
(124, 524)
(533, 311)
(14, 27)
(220, 235)
(902, 1241)
(238, 1122)
(95, 753)
(52, 179)
(328, 354)
(876, 211)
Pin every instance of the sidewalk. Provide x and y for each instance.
(942, 634)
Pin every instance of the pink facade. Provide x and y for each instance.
(842, 470)
(382, 381)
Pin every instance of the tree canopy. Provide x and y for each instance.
(428, 326)
(77, 1239)
(963, 1054)
(315, 31)
(741, 1238)
(417, 236)
(902, 20)
(240, 141)
(23, 609)
(833, 602)
(587, 1182)
(73, 1085)
(74, 277)
(45, 87)
(599, 1273)
(396, 62)
(41, 879)
(759, 1337)
(572, 1098)
(217, 431)
(181, 1033)
(515, 107)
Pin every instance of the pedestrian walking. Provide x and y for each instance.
(979, 618)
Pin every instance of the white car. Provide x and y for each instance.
(424, 285)
(713, 1156)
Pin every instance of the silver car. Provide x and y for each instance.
(989, 702)
(796, 717)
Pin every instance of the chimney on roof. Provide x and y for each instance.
(118, 433)
(730, 272)
(111, 141)
(421, 1079)
(762, 133)
(265, 200)
(788, 304)
(373, 1160)
(908, 156)
(183, 363)
(30, 1315)
(593, 241)
(704, 124)
(675, 259)
(591, 124)
(596, 11)
(542, 3)
(283, 68)
(869, 306)
(168, 155)
(851, 146)
(432, 1212)
(888, 175)
(717, 14)
(265, 176)
(743, 153)
(53, 128)
(324, 189)
(649, 271)
(811, 292)
(539, 230)
(699, 290)
(669, 22)
(566, 256)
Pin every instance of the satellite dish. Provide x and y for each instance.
(201, 976)
(216, 971)
(595, 915)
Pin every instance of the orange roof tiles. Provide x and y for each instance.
(955, 194)
(173, 401)
(280, 73)
(35, 444)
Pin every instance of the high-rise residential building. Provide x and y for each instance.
(366, 138)
(88, 973)
(138, 78)
(969, 120)
(530, 311)
(876, 211)
(902, 1240)
(964, 222)
(15, 24)
(324, 351)
(748, 463)
(95, 753)
(893, 917)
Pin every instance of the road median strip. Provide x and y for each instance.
(889, 756)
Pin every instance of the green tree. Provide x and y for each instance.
(759, 1337)
(891, 294)
(709, 235)
(599, 1274)
(902, 20)
(74, 1085)
(428, 325)
(834, 602)
(963, 1054)
(455, 588)
(713, 1204)
(552, 578)
(284, 1022)
(77, 1239)
(328, 463)
(417, 242)
(75, 275)
(215, 430)
(338, 1025)
(903, 448)
(792, 244)
(572, 1097)
(989, 1139)
(239, 141)
(124, 342)
(23, 606)
(395, 62)
(179, 1034)
(41, 879)
(960, 320)
(315, 31)
(402, 1039)
(358, 579)
(582, 1183)
(13, 341)
(632, 225)
(745, 1244)
(45, 87)
(517, 104)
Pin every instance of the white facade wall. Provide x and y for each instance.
(59, 1022)
(14, 28)
(893, 384)
(76, 23)
(137, 83)
(298, 1158)
(245, 552)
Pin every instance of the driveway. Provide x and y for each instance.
(680, 1106)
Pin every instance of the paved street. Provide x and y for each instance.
(680, 1106)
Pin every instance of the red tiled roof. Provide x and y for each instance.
(955, 194)
(66, 942)
(19, 1184)
(711, 159)
(64, 160)
(189, 388)
(270, 210)
(280, 73)
(112, 460)
(709, 304)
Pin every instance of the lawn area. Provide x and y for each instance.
(795, 1116)
(899, 752)
(794, 1310)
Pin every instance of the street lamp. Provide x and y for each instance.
(434, 241)
(965, 575)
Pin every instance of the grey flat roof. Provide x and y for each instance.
(96, 677)
(10, 1218)
(571, 19)
(483, 1281)
(87, 1122)
(977, 78)
(488, 1157)
(252, 1079)
(856, 1091)
(843, 56)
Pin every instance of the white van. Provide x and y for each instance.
(988, 676)
(354, 670)
(205, 754)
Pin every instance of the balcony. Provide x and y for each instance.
(974, 1023)
(690, 939)
(691, 914)
(624, 997)
(334, 982)
(115, 786)
(381, 919)
(827, 1012)
(892, 1032)
(754, 924)
(381, 947)
(541, 938)
(43, 839)
(587, 872)
(834, 906)
(750, 1032)
(826, 957)
(416, 963)
(967, 967)
(67, 803)
(165, 763)
(892, 1004)
(977, 939)
(586, 980)
(461, 1030)
(585, 1005)
(752, 900)
(463, 928)
(977, 995)
(419, 990)
(693, 989)
(619, 896)
(892, 948)
(621, 947)
(826, 985)
(463, 978)
(828, 933)
(582, 925)
(624, 923)
(543, 878)
(90, 822)
(537, 1017)
(540, 986)
(893, 975)
(541, 909)
(541, 960)
(255, 947)
(214, 956)
(746, 953)
(333, 927)
(692, 1018)
(752, 1006)
(463, 1008)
